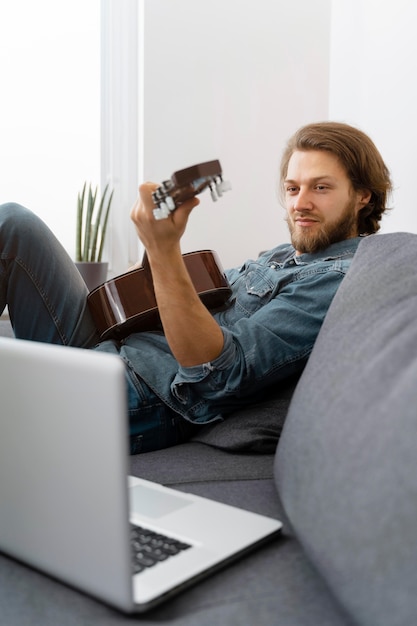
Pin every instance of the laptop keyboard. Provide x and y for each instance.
(150, 548)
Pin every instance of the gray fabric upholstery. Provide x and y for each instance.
(346, 465)
(6, 328)
(254, 428)
(196, 462)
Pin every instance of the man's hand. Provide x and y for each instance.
(157, 235)
(191, 331)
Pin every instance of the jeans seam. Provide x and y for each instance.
(55, 319)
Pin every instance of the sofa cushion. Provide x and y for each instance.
(193, 462)
(254, 428)
(346, 465)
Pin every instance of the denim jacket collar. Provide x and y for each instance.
(335, 250)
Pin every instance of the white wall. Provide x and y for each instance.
(232, 80)
(373, 67)
(49, 106)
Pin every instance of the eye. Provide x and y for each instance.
(321, 187)
(291, 189)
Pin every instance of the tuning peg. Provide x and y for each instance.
(162, 212)
(158, 195)
(213, 193)
(167, 185)
(170, 202)
(222, 186)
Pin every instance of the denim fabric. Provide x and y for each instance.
(270, 325)
(152, 423)
(39, 283)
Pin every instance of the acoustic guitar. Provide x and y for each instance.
(127, 303)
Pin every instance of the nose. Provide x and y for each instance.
(302, 201)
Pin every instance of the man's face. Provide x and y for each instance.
(321, 205)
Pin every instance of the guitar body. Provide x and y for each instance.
(127, 303)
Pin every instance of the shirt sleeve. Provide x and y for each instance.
(268, 346)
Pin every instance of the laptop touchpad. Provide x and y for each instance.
(154, 503)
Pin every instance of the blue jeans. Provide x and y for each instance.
(46, 298)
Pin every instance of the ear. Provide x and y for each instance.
(363, 196)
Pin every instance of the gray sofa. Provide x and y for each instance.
(343, 479)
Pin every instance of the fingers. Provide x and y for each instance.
(144, 202)
(146, 190)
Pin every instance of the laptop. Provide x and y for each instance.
(67, 505)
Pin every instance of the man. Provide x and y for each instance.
(203, 366)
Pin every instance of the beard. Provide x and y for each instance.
(345, 228)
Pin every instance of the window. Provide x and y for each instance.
(69, 111)
(50, 107)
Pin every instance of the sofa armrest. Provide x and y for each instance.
(346, 465)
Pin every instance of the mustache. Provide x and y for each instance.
(298, 215)
(301, 213)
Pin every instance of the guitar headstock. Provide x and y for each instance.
(187, 183)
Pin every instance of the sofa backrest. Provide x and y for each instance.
(346, 464)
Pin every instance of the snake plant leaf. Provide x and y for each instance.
(88, 225)
(104, 223)
(91, 223)
(79, 231)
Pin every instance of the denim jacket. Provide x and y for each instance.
(270, 324)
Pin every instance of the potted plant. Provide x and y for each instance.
(92, 218)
